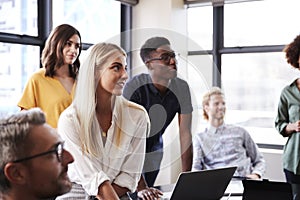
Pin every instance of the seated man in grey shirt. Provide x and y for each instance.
(223, 145)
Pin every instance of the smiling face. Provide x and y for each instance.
(49, 178)
(71, 49)
(114, 76)
(215, 108)
(162, 69)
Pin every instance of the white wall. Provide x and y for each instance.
(165, 18)
(274, 169)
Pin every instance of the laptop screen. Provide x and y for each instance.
(204, 184)
(262, 190)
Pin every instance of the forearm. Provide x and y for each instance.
(186, 151)
(290, 129)
(187, 159)
(259, 168)
(107, 192)
(142, 184)
(186, 146)
(253, 176)
(121, 191)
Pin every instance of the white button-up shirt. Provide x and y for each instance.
(121, 158)
(225, 146)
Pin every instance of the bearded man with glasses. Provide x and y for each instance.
(33, 160)
(163, 95)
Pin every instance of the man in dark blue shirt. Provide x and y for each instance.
(163, 95)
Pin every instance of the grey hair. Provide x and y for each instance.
(14, 130)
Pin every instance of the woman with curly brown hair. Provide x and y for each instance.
(288, 121)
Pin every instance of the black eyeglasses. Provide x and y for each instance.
(59, 148)
(165, 57)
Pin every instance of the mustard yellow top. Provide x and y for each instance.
(48, 94)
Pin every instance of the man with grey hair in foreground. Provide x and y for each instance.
(33, 161)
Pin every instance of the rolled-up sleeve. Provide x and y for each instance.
(257, 160)
(120, 159)
(282, 118)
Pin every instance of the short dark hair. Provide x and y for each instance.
(292, 52)
(151, 45)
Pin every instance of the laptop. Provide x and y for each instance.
(262, 190)
(202, 185)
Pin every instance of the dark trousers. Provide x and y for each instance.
(294, 180)
(152, 166)
(296, 191)
(150, 177)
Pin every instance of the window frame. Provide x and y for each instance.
(218, 50)
(44, 27)
(44, 21)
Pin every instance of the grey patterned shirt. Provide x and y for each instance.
(227, 145)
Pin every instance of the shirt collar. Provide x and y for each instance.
(153, 88)
(213, 130)
(294, 83)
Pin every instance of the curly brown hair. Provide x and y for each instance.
(292, 52)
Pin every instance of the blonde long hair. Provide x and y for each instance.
(99, 56)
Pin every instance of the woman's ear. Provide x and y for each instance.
(15, 173)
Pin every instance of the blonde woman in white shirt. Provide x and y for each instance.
(104, 132)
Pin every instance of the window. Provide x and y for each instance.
(252, 96)
(18, 63)
(200, 27)
(199, 72)
(96, 20)
(18, 16)
(266, 22)
(20, 44)
(253, 79)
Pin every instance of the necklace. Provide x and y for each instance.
(103, 133)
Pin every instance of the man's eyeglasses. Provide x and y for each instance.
(165, 57)
(59, 148)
